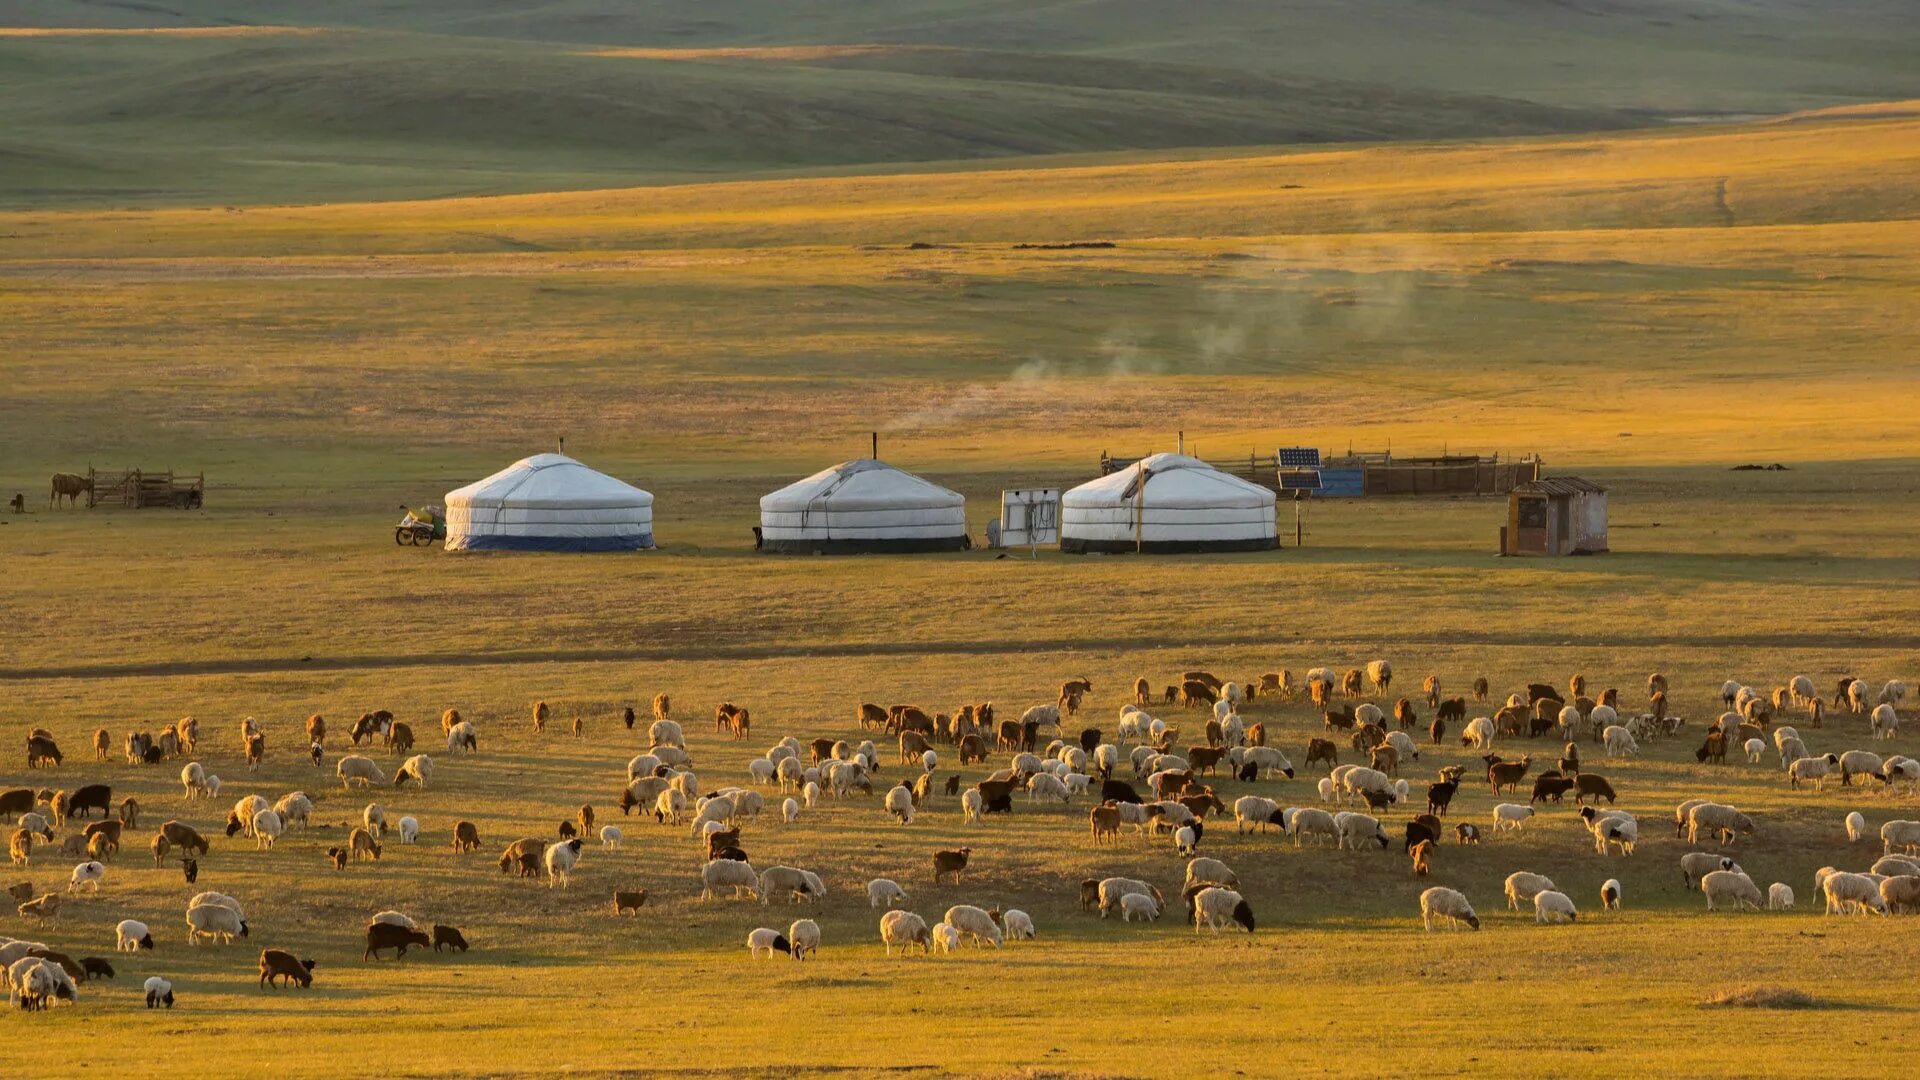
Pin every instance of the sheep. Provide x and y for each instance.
(1813, 769)
(88, 873)
(885, 892)
(1860, 762)
(1186, 839)
(946, 938)
(1550, 906)
(1478, 733)
(374, 817)
(1326, 789)
(132, 936)
(1900, 893)
(670, 807)
(974, 923)
(1315, 822)
(361, 844)
(1610, 894)
(159, 992)
(1255, 810)
(1724, 885)
(804, 935)
(794, 884)
(1510, 817)
(1017, 924)
(214, 922)
(899, 803)
(560, 859)
(294, 807)
(1465, 833)
(1523, 885)
(972, 804)
(905, 929)
(1755, 749)
(729, 874)
(461, 737)
(1355, 831)
(1698, 864)
(355, 767)
(1111, 891)
(1779, 896)
(1448, 905)
(1900, 835)
(771, 940)
(1718, 819)
(1138, 904)
(1894, 866)
(418, 768)
(267, 827)
(193, 777)
(1850, 893)
(1884, 722)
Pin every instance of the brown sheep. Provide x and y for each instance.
(363, 845)
(1195, 694)
(952, 862)
(1577, 686)
(1506, 774)
(913, 746)
(256, 750)
(1320, 692)
(466, 837)
(723, 716)
(1199, 803)
(399, 738)
(20, 891)
(102, 744)
(624, 902)
(338, 857)
(1206, 758)
(662, 707)
(872, 716)
(448, 720)
(1207, 677)
(45, 907)
(1386, 759)
(388, 936)
(184, 837)
(1080, 687)
(585, 817)
(1323, 750)
(521, 854)
(1404, 716)
(1423, 858)
(101, 847)
(1257, 735)
(1142, 692)
(1432, 688)
(317, 729)
(1353, 683)
(1172, 694)
(278, 967)
(721, 839)
(740, 724)
(20, 848)
(973, 748)
(540, 714)
(130, 812)
(1104, 822)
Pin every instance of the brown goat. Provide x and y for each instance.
(466, 837)
(1104, 822)
(540, 714)
(1423, 858)
(952, 862)
(624, 902)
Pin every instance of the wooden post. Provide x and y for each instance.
(876, 446)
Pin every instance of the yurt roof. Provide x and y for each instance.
(553, 481)
(1173, 481)
(862, 484)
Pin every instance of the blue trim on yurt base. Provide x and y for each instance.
(1074, 545)
(555, 543)
(896, 545)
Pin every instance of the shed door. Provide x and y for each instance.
(1530, 534)
(1562, 526)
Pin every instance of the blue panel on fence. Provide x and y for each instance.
(1342, 483)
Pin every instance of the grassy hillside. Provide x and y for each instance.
(210, 102)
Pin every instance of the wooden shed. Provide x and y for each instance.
(1555, 515)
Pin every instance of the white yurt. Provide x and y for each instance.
(549, 502)
(862, 506)
(1168, 503)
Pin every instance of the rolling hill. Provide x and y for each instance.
(204, 102)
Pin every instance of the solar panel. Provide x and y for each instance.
(1300, 481)
(1300, 457)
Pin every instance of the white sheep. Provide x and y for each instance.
(1893, 693)
(1018, 925)
(1860, 763)
(1368, 714)
(294, 807)
(1112, 889)
(972, 803)
(1884, 722)
(1478, 733)
(1812, 770)
(1356, 831)
(1217, 908)
(1610, 894)
(1856, 827)
(1185, 839)
(1510, 817)
(1698, 864)
(1895, 866)
(975, 923)
(719, 808)
(215, 922)
(1448, 905)
(885, 892)
(132, 936)
(641, 765)
(670, 807)
(793, 883)
(1620, 742)
(1210, 872)
(560, 859)
(374, 817)
(355, 767)
(1900, 836)
(219, 898)
(668, 733)
(730, 874)
(1791, 749)
(1046, 786)
(1326, 788)
(610, 835)
(946, 938)
(461, 737)
(1721, 886)
(1550, 906)
(1523, 885)
(772, 941)
(193, 777)
(1312, 821)
(267, 827)
(1138, 904)
(244, 810)
(804, 935)
(88, 873)
(790, 811)
(810, 794)
(394, 918)
(1717, 819)
(159, 992)
(1756, 748)
(929, 761)
(905, 929)
(1254, 810)
(899, 803)
(1779, 896)
(418, 768)
(1851, 893)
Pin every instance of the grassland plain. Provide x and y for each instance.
(1689, 301)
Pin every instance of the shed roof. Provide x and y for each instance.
(1559, 485)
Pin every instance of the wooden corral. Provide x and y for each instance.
(1558, 515)
(139, 489)
(1353, 474)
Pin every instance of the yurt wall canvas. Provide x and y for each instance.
(549, 502)
(862, 506)
(1168, 503)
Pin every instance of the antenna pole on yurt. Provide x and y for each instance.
(876, 445)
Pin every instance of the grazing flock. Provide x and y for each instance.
(1142, 782)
